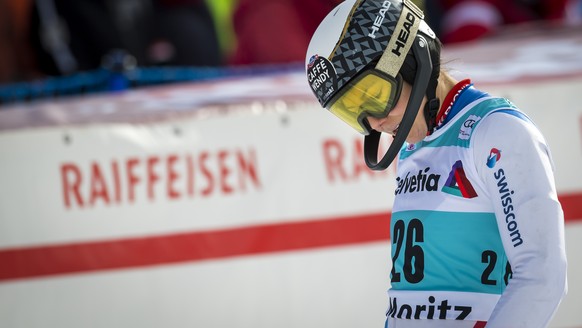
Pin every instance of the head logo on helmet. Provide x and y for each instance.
(403, 34)
(379, 19)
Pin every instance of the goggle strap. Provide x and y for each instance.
(371, 141)
(393, 57)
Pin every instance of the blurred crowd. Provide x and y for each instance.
(40, 38)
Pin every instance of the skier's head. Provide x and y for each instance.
(359, 57)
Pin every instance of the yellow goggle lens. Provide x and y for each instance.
(372, 95)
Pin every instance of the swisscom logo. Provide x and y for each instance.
(494, 157)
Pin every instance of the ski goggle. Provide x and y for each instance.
(373, 93)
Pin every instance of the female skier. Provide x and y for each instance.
(477, 232)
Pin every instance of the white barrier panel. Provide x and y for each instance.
(237, 203)
(120, 196)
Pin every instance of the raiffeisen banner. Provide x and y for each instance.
(237, 202)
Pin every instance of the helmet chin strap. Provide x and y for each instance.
(421, 80)
(433, 104)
